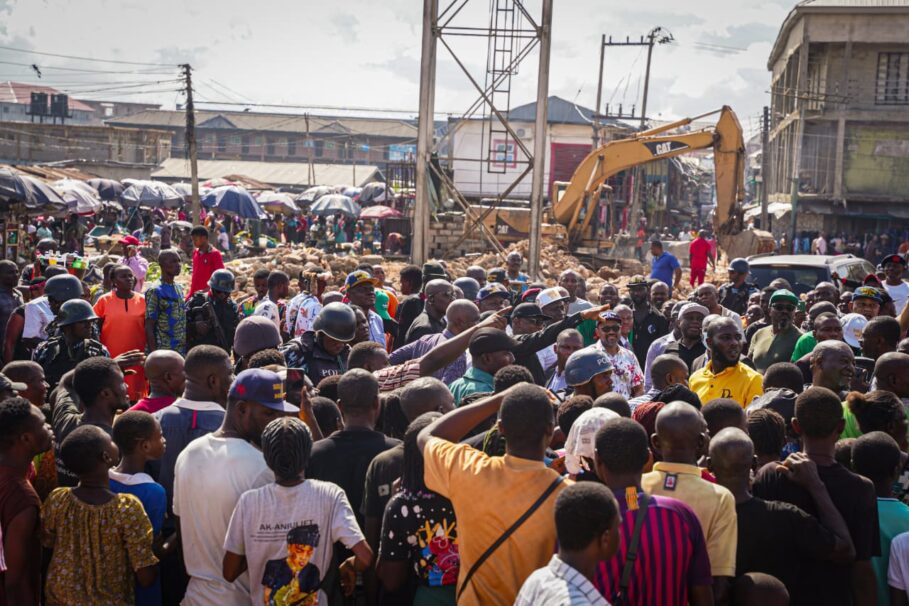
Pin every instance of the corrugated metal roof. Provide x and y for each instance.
(286, 174)
(854, 3)
(21, 94)
(284, 123)
(559, 111)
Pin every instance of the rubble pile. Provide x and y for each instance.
(553, 261)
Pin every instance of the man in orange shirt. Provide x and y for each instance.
(122, 313)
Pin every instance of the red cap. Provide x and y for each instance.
(129, 241)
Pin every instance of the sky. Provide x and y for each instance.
(366, 53)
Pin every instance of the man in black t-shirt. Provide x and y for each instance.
(344, 456)
(819, 422)
(649, 323)
(775, 537)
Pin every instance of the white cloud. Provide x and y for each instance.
(367, 53)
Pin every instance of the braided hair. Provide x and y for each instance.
(286, 446)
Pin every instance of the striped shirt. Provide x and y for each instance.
(672, 555)
(561, 584)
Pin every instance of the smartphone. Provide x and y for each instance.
(296, 379)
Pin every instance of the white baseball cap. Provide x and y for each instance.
(551, 295)
(853, 326)
(688, 308)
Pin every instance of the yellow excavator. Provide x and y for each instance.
(574, 202)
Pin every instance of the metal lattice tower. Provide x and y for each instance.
(504, 24)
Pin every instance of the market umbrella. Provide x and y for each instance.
(277, 202)
(41, 197)
(78, 199)
(107, 189)
(333, 204)
(11, 185)
(379, 212)
(376, 192)
(151, 194)
(34, 194)
(233, 200)
(181, 224)
(75, 184)
(313, 193)
(352, 192)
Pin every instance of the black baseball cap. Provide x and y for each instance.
(528, 310)
(488, 340)
(893, 259)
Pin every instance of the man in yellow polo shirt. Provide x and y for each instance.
(681, 437)
(725, 376)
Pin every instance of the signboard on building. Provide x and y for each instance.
(401, 152)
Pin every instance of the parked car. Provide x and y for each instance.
(804, 272)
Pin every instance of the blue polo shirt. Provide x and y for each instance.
(663, 267)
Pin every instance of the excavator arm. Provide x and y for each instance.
(729, 157)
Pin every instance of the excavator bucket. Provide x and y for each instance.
(729, 161)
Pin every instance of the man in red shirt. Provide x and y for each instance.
(698, 256)
(206, 260)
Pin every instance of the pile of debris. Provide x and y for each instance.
(553, 261)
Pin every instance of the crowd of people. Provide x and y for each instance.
(473, 439)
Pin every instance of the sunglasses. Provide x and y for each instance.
(781, 307)
(610, 328)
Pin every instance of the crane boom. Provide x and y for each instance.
(613, 157)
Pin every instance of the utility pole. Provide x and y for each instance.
(419, 249)
(650, 41)
(539, 141)
(191, 143)
(765, 165)
(596, 116)
(655, 36)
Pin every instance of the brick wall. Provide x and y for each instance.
(444, 233)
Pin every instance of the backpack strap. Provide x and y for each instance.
(632, 554)
(511, 529)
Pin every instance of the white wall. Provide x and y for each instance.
(470, 143)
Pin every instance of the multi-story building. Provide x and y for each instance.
(269, 137)
(16, 98)
(840, 116)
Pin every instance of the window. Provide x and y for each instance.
(270, 147)
(244, 145)
(319, 148)
(504, 153)
(892, 79)
(222, 142)
(291, 146)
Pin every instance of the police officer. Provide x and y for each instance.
(734, 294)
(322, 351)
(60, 354)
(588, 372)
(58, 291)
(212, 318)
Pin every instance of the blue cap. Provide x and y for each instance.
(262, 387)
(493, 288)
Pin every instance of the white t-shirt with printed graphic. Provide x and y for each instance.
(319, 515)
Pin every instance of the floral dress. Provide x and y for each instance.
(96, 548)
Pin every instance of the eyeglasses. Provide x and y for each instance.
(610, 328)
(781, 307)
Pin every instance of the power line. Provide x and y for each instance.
(92, 59)
(329, 107)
